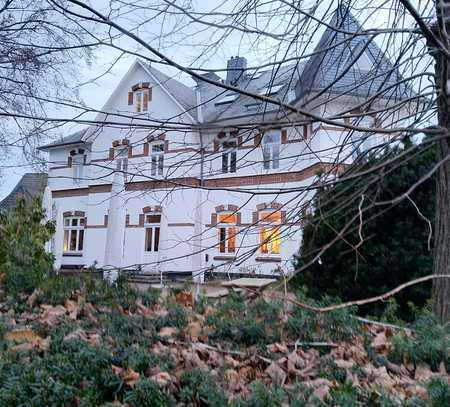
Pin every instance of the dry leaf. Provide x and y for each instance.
(33, 297)
(162, 379)
(130, 377)
(22, 335)
(184, 298)
(167, 331)
(344, 364)
(277, 347)
(193, 330)
(276, 373)
(51, 314)
(72, 308)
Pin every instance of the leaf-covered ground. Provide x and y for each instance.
(78, 342)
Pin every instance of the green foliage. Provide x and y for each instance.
(245, 324)
(147, 394)
(338, 325)
(23, 234)
(395, 246)
(429, 344)
(345, 395)
(265, 396)
(197, 386)
(438, 392)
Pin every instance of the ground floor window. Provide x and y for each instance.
(226, 224)
(152, 232)
(269, 232)
(73, 234)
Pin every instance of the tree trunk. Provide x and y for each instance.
(441, 255)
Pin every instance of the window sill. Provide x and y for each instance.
(72, 254)
(268, 259)
(224, 258)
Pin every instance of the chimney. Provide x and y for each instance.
(235, 70)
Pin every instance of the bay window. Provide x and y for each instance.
(269, 232)
(152, 232)
(226, 225)
(73, 234)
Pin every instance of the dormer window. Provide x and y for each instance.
(140, 96)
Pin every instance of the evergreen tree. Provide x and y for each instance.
(395, 238)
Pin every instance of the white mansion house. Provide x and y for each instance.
(180, 180)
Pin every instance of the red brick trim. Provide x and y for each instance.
(225, 258)
(147, 209)
(141, 219)
(127, 220)
(271, 205)
(69, 161)
(268, 259)
(111, 154)
(192, 182)
(74, 213)
(146, 149)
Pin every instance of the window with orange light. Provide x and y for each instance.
(269, 232)
(226, 225)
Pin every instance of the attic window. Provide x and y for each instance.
(231, 97)
(270, 90)
(139, 97)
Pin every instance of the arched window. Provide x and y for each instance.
(269, 231)
(226, 225)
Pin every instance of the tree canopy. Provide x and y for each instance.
(379, 249)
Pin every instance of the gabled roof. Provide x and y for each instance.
(30, 184)
(74, 138)
(183, 94)
(329, 72)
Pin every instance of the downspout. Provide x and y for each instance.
(199, 273)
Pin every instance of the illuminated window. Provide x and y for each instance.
(271, 149)
(157, 157)
(269, 232)
(152, 232)
(73, 234)
(226, 225)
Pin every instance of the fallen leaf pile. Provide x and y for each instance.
(234, 368)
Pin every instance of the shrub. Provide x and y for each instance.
(147, 394)
(265, 396)
(197, 386)
(23, 258)
(429, 344)
(438, 392)
(338, 325)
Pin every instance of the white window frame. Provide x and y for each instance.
(71, 229)
(121, 157)
(157, 159)
(155, 232)
(271, 143)
(229, 155)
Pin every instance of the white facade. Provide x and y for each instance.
(128, 195)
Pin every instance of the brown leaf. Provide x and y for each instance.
(422, 373)
(193, 330)
(184, 298)
(72, 308)
(276, 373)
(344, 364)
(89, 311)
(322, 392)
(130, 377)
(277, 347)
(33, 297)
(162, 379)
(167, 331)
(51, 314)
(233, 379)
(22, 335)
